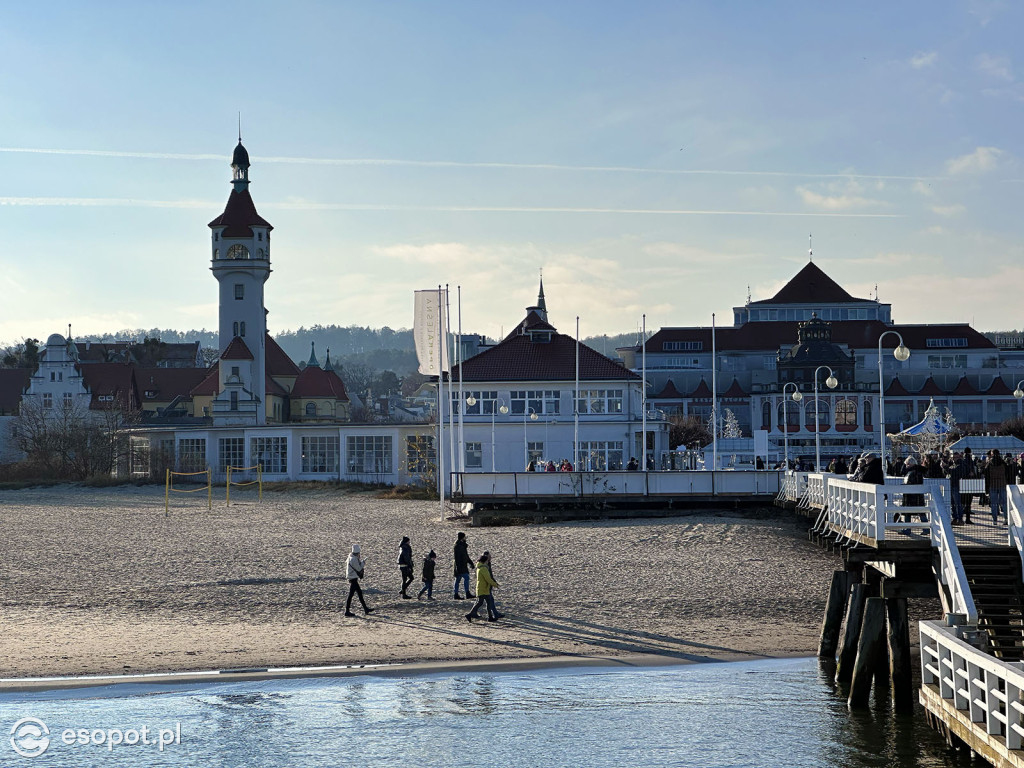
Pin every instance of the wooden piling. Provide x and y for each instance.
(851, 635)
(832, 624)
(898, 635)
(872, 632)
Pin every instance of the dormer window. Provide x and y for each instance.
(540, 337)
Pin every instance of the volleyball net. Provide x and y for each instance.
(202, 481)
(254, 475)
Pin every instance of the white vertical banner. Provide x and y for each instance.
(429, 331)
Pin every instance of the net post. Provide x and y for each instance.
(167, 491)
(209, 488)
(259, 477)
(228, 492)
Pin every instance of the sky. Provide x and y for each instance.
(660, 158)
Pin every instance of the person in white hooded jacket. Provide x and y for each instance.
(355, 567)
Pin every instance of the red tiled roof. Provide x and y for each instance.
(895, 388)
(998, 387)
(273, 388)
(13, 383)
(702, 391)
(209, 385)
(518, 358)
(237, 350)
(668, 392)
(735, 391)
(110, 379)
(931, 388)
(278, 362)
(124, 351)
(532, 322)
(314, 381)
(858, 334)
(239, 215)
(964, 387)
(165, 384)
(810, 286)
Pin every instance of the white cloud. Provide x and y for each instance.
(948, 210)
(936, 230)
(981, 160)
(998, 67)
(922, 60)
(839, 202)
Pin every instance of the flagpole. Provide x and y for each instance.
(714, 397)
(576, 406)
(643, 391)
(451, 411)
(462, 397)
(440, 405)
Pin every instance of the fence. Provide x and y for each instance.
(169, 487)
(243, 483)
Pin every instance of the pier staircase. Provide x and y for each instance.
(994, 576)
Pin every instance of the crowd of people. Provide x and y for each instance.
(997, 470)
(462, 566)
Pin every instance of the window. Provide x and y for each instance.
(542, 401)
(238, 252)
(271, 452)
(822, 413)
(192, 454)
(320, 454)
(47, 400)
(67, 399)
(216, 236)
(600, 456)
(846, 413)
(768, 362)
(369, 454)
(947, 361)
(867, 414)
(230, 453)
(420, 455)
(216, 253)
(600, 401)
(311, 409)
(241, 328)
(239, 291)
(789, 414)
(485, 402)
(955, 342)
(53, 375)
(234, 328)
(234, 371)
(682, 346)
(534, 452)
(259, 236)
(474, 455)
(234, 400)
(766, 415)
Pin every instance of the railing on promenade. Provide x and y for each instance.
(950, 567)
(794, 485)
(986, 689)
(1015, 519)
(606, 485)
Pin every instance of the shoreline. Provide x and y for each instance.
(400, 669)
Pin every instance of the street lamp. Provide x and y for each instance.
(831, 382)
(797, 397)
(902, 354)
(526, 447)
(1018, 393)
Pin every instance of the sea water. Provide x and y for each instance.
(759, 714)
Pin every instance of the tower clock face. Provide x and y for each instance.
(238, 252)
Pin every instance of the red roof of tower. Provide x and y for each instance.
(237, 350)
(314, 381)
(810, 286)
(240, 216)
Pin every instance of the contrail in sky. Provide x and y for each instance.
(456, 164)
(119, 202)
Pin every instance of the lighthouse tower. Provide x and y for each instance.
(241, 263)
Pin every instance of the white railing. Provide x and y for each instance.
(814, 494)
(951, 568)
(985, 688)
(794, 484)
(1015, 518)
(870, 511)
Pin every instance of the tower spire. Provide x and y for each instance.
(541, 303)
(810, 248)
(312, 355)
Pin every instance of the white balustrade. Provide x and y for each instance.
(986, 689)
(951, 569)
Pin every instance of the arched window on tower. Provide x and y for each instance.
(242, 329)
(311, 409)
(867, 414)
(216, 253)
(238, 251)
(766, 415)
(234, 329)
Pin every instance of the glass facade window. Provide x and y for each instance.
(474, 455)
(541, 401)
(271, 452)
(420, 454)
(600, 401)
(230, 453)
(846, 413)
(600, 455)
(823, 413)
(369, 454)
(320, 454)
(485, 402)
(192, 454)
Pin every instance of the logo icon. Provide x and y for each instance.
(30, 737)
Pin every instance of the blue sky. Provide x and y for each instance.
(649, 157)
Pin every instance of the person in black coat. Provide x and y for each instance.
(463, 563)
(869, 470)
(428, 576)
(405, 566)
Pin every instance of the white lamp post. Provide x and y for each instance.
(526, 446)
(1018, 393)
(797, 397)
(831, 382)
(901, 353)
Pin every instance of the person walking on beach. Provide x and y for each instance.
(355, 566)
(484, 584)
(490, 569)
(462, 565)
(428, 576)
(405, 566)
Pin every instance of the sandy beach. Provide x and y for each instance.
(100, 581)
